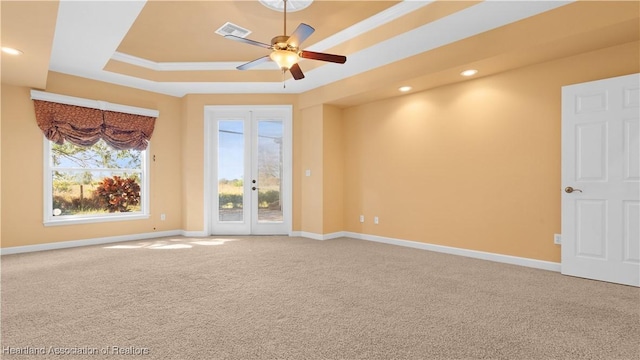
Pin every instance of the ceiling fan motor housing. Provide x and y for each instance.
(280, 43)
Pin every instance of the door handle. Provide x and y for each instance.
(254, 188)
(569, 190)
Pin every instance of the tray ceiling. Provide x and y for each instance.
(171, 47)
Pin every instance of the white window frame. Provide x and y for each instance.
(50, 220)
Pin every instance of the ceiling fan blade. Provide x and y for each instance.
(248, 41)
(303, 31)
(296, 72)
(340, 59)
(253, 63)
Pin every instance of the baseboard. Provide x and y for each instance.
(507, 259)
(86, 242)
(193, 233)
(316, 236)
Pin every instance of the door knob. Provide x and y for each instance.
(254, 188)
(569, 190)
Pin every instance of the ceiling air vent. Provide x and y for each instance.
(232, 29)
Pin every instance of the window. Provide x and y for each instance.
(94, 183)
(95, 159)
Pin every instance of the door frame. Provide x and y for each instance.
(211, 166)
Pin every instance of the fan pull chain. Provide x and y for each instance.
(284, 84)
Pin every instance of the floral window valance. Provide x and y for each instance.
(84, 126)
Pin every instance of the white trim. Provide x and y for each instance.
(210, 163)
(506, 259)
(77, 219)
(186, 66)
(50, 220)
(194, 233)
(366, 25)
(315, 236)
(335, 235)
(93, 104)
(47, 183)
(86, 242)
(136, 61)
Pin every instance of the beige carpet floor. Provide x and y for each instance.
(294, 298)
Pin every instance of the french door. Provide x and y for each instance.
(250, 169)
(601, 180)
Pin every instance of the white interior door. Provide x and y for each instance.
(601, 180)
(250, 167)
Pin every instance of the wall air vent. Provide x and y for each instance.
(232, 29)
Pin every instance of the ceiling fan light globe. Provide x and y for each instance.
(285, 59)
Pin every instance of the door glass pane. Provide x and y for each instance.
(230, 170)
(270, 170)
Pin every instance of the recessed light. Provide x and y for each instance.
(469, 72)
(11, 51)
(405, 88)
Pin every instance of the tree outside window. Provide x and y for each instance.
(94, 181)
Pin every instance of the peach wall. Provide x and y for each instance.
(322, 149)
(193, 150)
(333, 169)
(312, 187)
(22, 164)
(176, 176)
(474, 165)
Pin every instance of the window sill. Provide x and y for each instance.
(76, 220)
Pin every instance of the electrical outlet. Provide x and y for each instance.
(376, 220)
(361, 218)
(163, 217)
(557, 239)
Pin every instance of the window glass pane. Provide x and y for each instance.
(230, 170)
(95, 180)
(270, 171)
(95, 192)
(99, 155)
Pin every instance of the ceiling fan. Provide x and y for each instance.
(286, 50)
